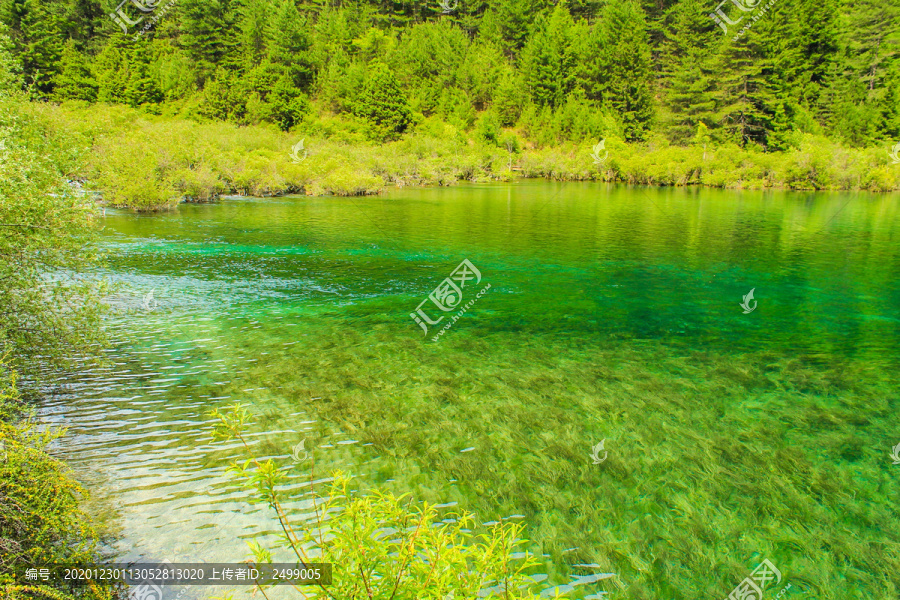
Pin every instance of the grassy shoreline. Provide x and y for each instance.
(148, 162)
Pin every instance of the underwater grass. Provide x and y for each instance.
(716, 461)
(382, 545)
(731, 438)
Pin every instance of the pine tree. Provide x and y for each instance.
(141, 88)
(482, 71)
(383, 104)
(111, 68)
(10, 69)
(36, 36)
(872, 39)
(216, 103)
(431, 54)
(626, 76)
(81, 19)
(288, 104)
(429, 59)
(858, 101)
(512, 20)
(687, 69)
(890, 111)
(208, 34)
(509, 100)
(288, 40)
(818, 35)
(750, 75)
(253, 19)
(548, 60)
(75, 80)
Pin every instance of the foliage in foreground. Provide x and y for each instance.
(382, 546)
(40, 519)
(46, 314)
(47, 242)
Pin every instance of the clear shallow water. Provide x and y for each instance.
(614, 314)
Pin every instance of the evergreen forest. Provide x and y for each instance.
(688, 71)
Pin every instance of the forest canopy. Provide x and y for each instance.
(743, 72)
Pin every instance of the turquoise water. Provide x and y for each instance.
(613, 313)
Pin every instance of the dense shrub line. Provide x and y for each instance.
(151, 162)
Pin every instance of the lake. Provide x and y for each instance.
(734, 428)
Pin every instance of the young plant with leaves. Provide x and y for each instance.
(381, 546)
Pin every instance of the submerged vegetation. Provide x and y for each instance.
(383, 546)
(716, 461)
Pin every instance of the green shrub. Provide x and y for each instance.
(140, 184)
(344, 182)
(198, 185)
(152, 163)
(40, 519)
(382, 546)
(488, 128)
(48, 310)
